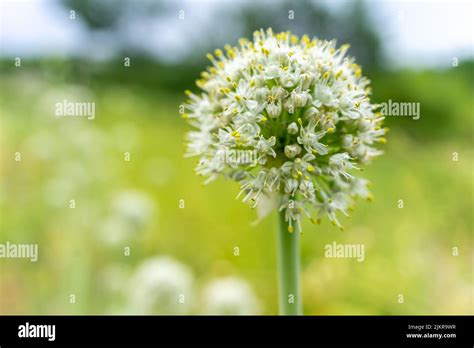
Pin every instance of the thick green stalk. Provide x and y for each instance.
(288, 255)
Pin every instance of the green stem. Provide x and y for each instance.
(288, 255)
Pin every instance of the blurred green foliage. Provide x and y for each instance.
(445, 98)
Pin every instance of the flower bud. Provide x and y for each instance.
(274, 109)
(292, 150)
(293, 128)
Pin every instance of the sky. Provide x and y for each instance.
(414, 33)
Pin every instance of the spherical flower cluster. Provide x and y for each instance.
(286, 115)
(158, 284)
(230, 296)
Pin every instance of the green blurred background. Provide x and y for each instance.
(155, 205)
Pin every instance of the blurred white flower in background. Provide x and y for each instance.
(131, 211)
(160, 285)
(230, 296)
(135, 207)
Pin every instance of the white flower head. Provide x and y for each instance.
(136, 207)
(160, 285)
(302, 105)
(230, 296)
(131, 211)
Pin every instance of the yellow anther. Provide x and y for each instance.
(188, 92)
(209, 56)
(382, 140)
(326, 75)
(185, 115)
(300, 173)
(310, 168)
(290, 229)
(243, 41)
(218, 53)
(200, 82)
(252, 83)
(300, 121)
(331, 130)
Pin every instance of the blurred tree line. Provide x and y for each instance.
(114, 21)
(445, 95)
